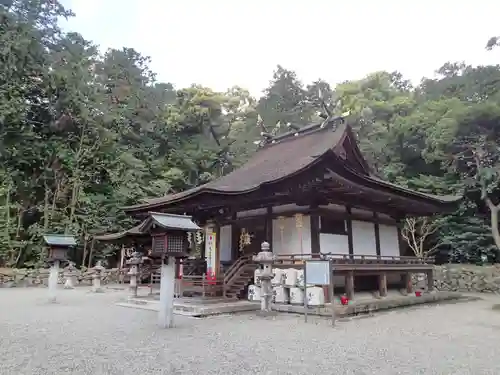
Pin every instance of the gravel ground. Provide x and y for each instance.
(87, 334)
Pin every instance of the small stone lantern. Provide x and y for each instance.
(58, 245)
(134, 262)
(70, 274)
(266, 259)
(97, 277)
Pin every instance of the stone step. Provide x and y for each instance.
(196, 310)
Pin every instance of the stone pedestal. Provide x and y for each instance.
(265, 258)
(97, 277)
(167, 291)
(52, 281)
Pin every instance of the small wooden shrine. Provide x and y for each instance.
(308, 193)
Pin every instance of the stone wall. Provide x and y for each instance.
(10, 277)
(463, 278)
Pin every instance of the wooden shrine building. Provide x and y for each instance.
(306, 192)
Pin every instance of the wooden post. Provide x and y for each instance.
(377, 234)
(203, 285)
(382, 284)
(350, 239)
(349, 285)
(407, 284)
(401, 241)
(430, 280)
(269, 226)
(235, 238)
(315, 244)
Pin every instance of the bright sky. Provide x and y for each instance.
(221, 43)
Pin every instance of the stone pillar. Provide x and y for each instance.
(70, 276)
(266, 259)
(52, 282)
(97, 277)
(134, 264)
(167, 291)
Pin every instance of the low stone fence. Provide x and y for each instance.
(449, 277)
(11, 277)
(463, 278)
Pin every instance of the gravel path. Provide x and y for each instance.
(87, 334)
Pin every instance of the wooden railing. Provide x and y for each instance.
(194, 267)
(201, 284)
(298, 259)
(236, 267)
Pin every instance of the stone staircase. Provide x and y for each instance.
(238, 276)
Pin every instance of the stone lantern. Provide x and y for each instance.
(134, 262)
(58, 246)
(169, 234)
(70, 274)
(97, 277)
(266, 259)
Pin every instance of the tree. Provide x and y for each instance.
(417, 232)
(285, 100)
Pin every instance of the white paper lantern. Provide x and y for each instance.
(253, 293)
(280, 294)
(315, 296)
(290, 277)
(279, 277)
(296, 296)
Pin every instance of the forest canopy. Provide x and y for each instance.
(83, 133)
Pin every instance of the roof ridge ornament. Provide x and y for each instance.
(267, 136)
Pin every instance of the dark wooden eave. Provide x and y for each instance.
(315, 162)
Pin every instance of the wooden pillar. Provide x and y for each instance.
(349, 285)
(269, 226)
(235, 238)
(315, 244)
(316, 247)
(377, 233)
(382, 284)
(217, 248)
(407, 284)
(350, 240)
(430, 280)
(401, 241)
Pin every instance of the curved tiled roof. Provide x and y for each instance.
(287, 155)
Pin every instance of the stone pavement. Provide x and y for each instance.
(88, 334)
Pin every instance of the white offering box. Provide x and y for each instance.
(296, 296)
(253, 293)
(280, 294)
(290, 277)
(279, 276)
(315, 296)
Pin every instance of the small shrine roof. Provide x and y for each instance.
(59, 240)
(132, 232)
(165, 221)
(171, 221)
